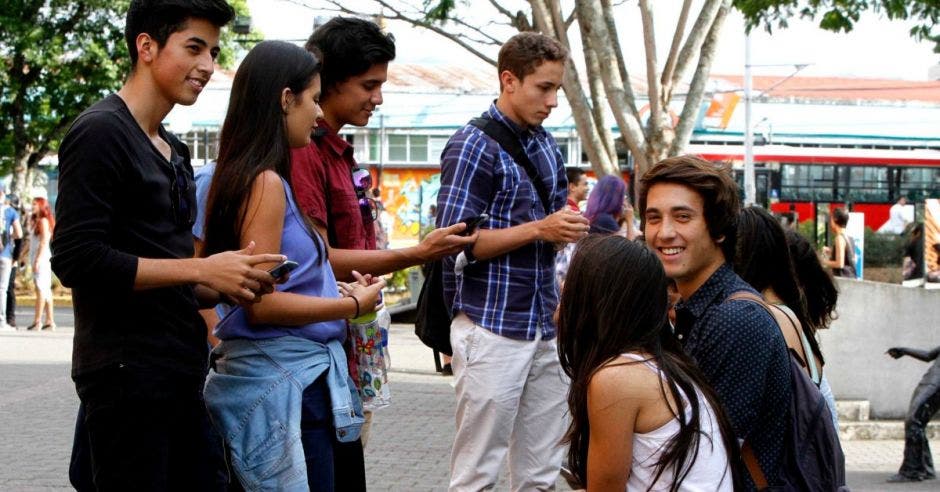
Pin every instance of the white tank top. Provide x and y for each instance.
(710, 472)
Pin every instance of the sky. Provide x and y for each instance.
(876, 48)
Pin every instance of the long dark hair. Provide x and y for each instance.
(763, 260)
(817, 283)
(254, 137)
(615, 301)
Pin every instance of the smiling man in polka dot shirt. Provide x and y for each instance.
(689, 207)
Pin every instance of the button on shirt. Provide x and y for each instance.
(321, 174)
(512, 295)
(743, 355)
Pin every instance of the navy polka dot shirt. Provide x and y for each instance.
(742, 353)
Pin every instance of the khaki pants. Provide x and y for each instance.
(511, 398)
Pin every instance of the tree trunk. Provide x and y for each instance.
(574, 92)
(598, 97)
(623, 107)
(693, 101)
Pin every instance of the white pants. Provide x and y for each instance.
(6, 266)
(511, 396)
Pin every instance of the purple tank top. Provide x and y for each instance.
(298, 243)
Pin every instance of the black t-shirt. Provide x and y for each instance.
(120, 200)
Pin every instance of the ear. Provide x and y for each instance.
(287, 99)
(146, 47)
(508, 80)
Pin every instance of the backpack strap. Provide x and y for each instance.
(753, 467)
(778, 318)
(509, 142)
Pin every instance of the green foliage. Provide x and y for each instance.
(59, 56)
(841, 15)
(883, 250)
(234, 45)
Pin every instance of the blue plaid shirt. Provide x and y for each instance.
(512, 295)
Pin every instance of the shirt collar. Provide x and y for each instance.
(498, 115)
(337, 144)
(705, 295)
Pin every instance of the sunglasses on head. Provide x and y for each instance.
(362, 182)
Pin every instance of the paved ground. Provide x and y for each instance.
(409, 448)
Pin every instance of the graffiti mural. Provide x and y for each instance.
(408, 195)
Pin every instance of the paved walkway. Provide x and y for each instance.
(409, 449)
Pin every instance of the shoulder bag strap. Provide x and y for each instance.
(753, 467)
(511, 144)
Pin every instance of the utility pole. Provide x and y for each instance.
(749, 187)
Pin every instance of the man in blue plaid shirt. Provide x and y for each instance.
(511, 390)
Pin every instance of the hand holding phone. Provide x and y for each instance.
(473, 223)
(283, 268)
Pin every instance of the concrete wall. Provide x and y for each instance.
(873, 317)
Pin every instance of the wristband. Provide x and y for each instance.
(357, 307)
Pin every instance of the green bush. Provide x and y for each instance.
(883, 250)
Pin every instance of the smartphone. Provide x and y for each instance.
(472, 224)
(283, 268)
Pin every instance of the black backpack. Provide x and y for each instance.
(433, 316)
(812, 457)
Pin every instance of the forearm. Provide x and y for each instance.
(284, 308)
(921, 355)
(374, 262)
(206, 298)
(157, 273)
(496, 242)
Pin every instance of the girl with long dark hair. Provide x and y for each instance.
(643, 417)
(821, 295)
(763, 259)
(279, 390)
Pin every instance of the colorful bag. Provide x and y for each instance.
(369, 337)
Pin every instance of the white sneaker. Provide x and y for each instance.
(6, 328)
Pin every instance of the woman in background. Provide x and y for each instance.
(43, 222)
(643, 417)
(608, 208)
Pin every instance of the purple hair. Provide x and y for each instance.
(606, 198)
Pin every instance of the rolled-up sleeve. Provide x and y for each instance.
(90, 174)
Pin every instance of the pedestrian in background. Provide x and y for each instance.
(609, 209)
(12, 232)
(841, 256)
(43, 222)
(643, 417)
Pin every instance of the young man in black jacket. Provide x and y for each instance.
(123, 244)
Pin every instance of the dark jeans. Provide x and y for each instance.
(918, 462)
(11, 297)
(138, 432)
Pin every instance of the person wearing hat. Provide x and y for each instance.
(12, 230)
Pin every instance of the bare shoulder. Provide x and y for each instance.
(621, 381)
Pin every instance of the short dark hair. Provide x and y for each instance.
(712, 181)
(840, 217)
(524, 52)
(350, 47)
(161, 18)
(574, 174)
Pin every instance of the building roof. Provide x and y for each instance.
(839, 88)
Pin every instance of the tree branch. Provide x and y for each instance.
(626, 83)
(653, 89)
(693, 101)
(666, 78)
(693, 43)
